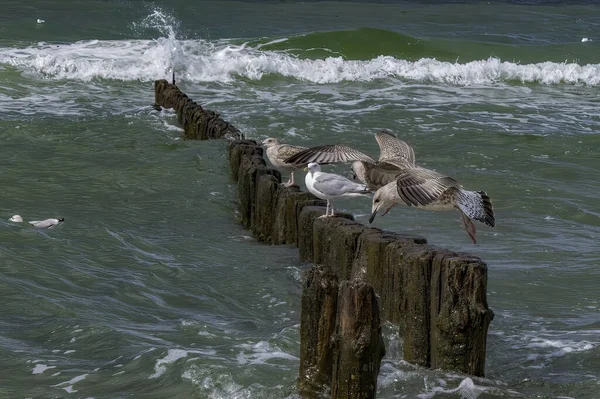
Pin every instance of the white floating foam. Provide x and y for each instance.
(466, 389)
(40, 368)
(261, 353)
(172, 356)
(68, 385)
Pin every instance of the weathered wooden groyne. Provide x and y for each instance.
(360, 275)
(436, 296)
(197, 123)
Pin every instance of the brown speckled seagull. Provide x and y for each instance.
(278, 153)
(430, 190)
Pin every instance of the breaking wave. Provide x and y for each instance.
(226, 61)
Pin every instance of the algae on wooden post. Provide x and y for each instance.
(334, 243)
(237, 149)
(306, 218)
(287, 202)
(246, 186)
(359, 343)
(266, 189)
(317, 327)
(459, 314)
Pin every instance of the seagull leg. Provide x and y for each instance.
(290, 181)
(469, 226)
(332, 214)
(326, 215)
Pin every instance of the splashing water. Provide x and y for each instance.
(222, 61)
(168, 26)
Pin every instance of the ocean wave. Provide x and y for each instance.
(202, 61)
(225, 61)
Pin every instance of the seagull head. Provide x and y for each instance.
(269, 142)
(359, 171)
(313, 167)
(16, 219)
(384, 199)
(60, 220)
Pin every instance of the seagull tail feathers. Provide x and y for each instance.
(477, 205)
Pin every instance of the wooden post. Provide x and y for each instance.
(317, 328)
(359, 344)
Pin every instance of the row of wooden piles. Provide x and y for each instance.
(360, 276)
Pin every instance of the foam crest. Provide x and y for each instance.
(221, 61)
(545, 349)
(262, 353)
(68, 385)
(466, 389)
(172, 356)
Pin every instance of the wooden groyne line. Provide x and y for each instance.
(197, 123)
(361, 275)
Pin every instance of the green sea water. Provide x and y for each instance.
(151, 289)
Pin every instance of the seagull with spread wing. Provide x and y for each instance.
(430, 190)
(394, 156)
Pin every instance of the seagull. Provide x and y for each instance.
(430, 190)
(394, 156)
(329, 186)
(16, 219)
(277, 153)
(47, 223)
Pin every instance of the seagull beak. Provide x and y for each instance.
(373, 213)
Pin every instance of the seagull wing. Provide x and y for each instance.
(285, 150)
(420, 186)
(392, 147)
(326, 154)
(383, 173)
(334, 185)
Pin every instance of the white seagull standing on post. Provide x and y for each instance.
(329, 186)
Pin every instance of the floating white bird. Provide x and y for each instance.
(585, 39)
(329, 186)
(277, 153)
(47, 223)
(16, 219)
(40, 21)
(426, 189)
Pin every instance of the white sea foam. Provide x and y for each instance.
(466, 389)
(261, 353)
(68, 385)
(221, 61)
(553, 348)
(40, 368)
(172, 356)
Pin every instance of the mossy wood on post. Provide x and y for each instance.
(197, 123)
(358, 342)
(317, 328)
